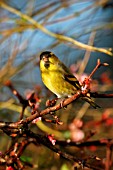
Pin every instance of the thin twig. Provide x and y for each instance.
(99, 64)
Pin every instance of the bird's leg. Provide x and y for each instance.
(62, 102)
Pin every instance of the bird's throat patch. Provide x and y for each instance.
(47, 64)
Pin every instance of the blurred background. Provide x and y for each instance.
(87, 21)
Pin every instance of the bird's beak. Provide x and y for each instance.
(45, 59)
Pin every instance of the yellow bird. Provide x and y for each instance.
(58, 78)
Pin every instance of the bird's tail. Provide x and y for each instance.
(90, 101)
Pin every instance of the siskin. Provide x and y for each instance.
(58, 78)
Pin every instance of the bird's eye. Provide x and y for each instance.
(45, 54)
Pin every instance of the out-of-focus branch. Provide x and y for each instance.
(98, 95)
(101, 142)
(13, 154)
(87, 54)
(57, 36)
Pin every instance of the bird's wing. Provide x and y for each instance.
(69, 77)
(72, 80)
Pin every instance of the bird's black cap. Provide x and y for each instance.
(45, 53)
